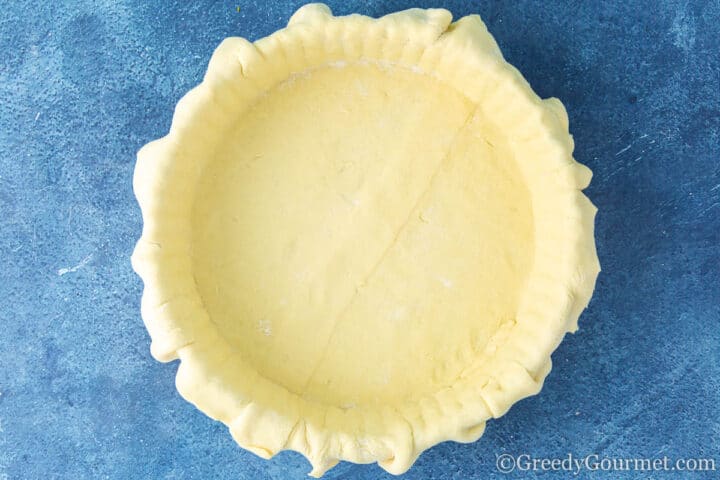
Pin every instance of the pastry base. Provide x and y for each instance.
(361, 235)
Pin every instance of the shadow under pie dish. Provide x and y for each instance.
(362, 237)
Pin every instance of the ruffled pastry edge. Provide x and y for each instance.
(264, 417)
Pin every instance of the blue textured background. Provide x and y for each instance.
(84, 84)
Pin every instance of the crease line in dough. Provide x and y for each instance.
(444, 160)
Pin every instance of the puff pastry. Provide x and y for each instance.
(362, 237)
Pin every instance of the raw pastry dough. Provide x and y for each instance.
(362, 237)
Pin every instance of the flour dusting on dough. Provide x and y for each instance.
(265, 327)
(398, 313)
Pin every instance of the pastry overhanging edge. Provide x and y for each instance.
(265, 418)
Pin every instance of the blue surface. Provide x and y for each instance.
(84, 84)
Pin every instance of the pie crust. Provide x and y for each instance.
(362, 237)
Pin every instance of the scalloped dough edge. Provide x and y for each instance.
(265, 418)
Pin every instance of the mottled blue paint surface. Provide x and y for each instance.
(84, 84)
